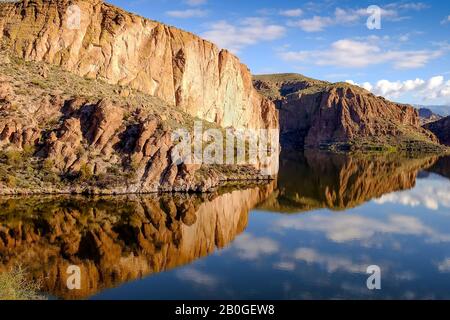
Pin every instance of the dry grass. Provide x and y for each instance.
(15, 285)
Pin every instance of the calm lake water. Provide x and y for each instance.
(310, 235)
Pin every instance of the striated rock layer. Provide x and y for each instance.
(320, 114)
(121, 48)
(118, 239)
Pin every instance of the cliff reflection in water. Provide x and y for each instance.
(118, 239)
(316, 180)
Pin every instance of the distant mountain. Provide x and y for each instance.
(441, 129)
(427, 116)
(341, 116)
(442, 110)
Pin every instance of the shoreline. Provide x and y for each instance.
(90, 191)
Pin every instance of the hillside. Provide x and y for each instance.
(92, 108)
(427, 116)
(441, 129)
(122, 48)
(63, 133)
(341, 116)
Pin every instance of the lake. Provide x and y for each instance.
(309, 235)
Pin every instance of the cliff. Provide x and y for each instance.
(93, 108)
(60, 133)
(121, 48)
(316, 113)
(441, 129)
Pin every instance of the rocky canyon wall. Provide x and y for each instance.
(316, 113)
(122, 48)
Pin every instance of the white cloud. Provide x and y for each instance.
(250, 247)
(195, 2)
(358, 54)
(250, 31)
(197, 277)
(432, 196)
(444, 266)
(446, 20)
(416, 6)
(284, 266)
(291, 12)
(190, 13)
(427, 90)
(342, 228)
(340, 17)
(331, 263)
(313, 24)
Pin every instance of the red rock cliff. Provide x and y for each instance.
(121, 48)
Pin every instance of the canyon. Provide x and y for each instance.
(93, 109)
(341, 116)
(122, 48)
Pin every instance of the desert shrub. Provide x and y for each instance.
(15, 285)
(14, 157)
(47, 165)
(11, 181)
(28, 151)
(86, 173)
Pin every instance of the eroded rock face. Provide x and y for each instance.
(107, 132)
(122, 48)
(115, 240)
(441, 129)
(315, 113)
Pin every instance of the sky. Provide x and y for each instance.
(405, 58)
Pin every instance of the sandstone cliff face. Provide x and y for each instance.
(120, 239)
(441, 129)
(126, 49)
(63, 133)
(315, 113)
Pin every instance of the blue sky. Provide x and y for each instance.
(407, 60)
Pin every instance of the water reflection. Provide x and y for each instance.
(358, 210)
(117, 239)
(315, 180)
